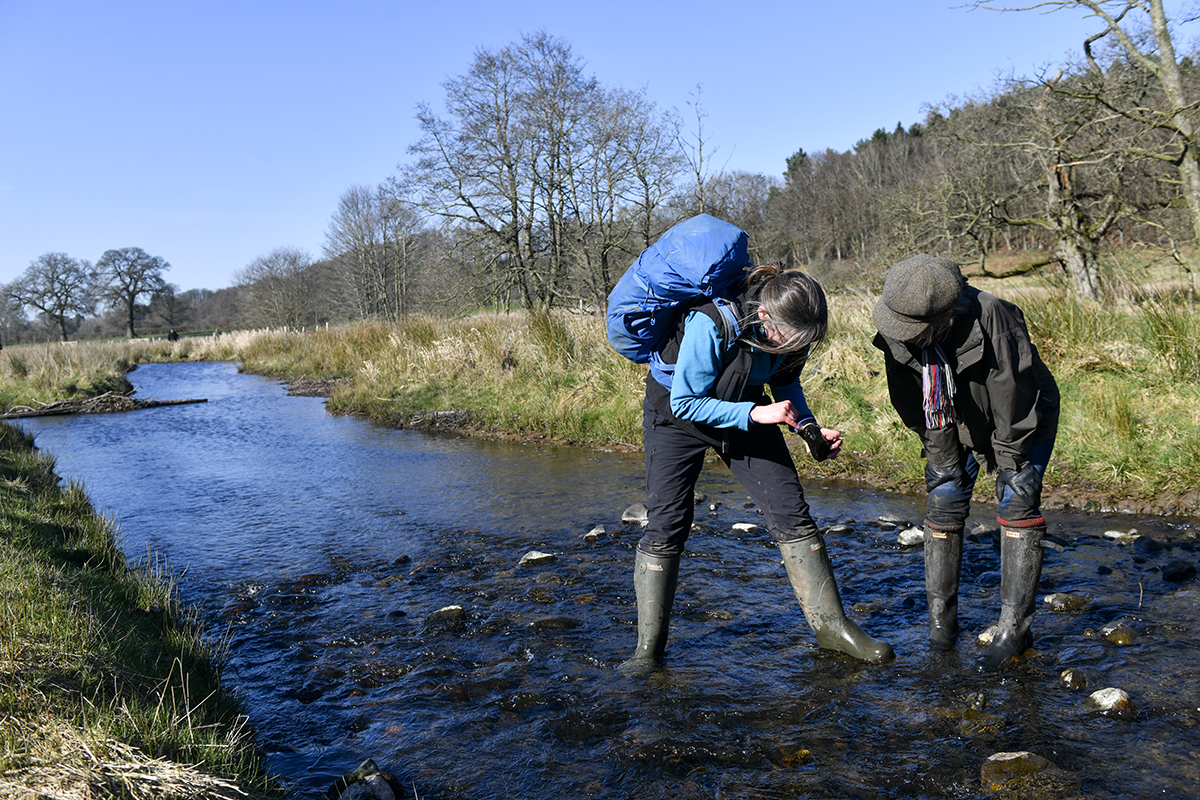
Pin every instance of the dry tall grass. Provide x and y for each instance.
(1128, 372)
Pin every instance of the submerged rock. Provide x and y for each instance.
(745, 527)
(637, 513)
(985, 637)
(1178, 571)
(368, 782)
(594, 534)
(1003, 768)
(1072, 679)
(1145, 544)
(535, 558)
(895, 520)
(1060, 601)
(554, 623)
(1118, 633)
(839, 529)
(1112, 701)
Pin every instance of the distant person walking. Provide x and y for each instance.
(172, 336)
(963, 374)
(705, 390)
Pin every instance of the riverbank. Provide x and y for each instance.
(1128, 372)
(109, 687)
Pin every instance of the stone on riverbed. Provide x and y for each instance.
(1001, 769)
(744, 527)
(1122, 537)
(1072, 679)
(535, 558)
(594, 534)
(1178, 571)
(1112, 701)
(986, 636)
(1061, 601)
(447, 614)
(368, 782)
(911, 537)
(1118, 633)
(554, 623)
(637, 513)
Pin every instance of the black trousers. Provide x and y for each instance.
(758, 458)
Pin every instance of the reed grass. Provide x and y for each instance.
(108, 687)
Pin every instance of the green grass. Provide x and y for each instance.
(108, 687)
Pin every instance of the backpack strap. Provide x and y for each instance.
(718, 309)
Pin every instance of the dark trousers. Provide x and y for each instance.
(758, 458)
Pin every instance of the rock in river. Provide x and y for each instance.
(1112, 701)
(637, 513)
(1003, 768)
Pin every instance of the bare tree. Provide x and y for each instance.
(167, 306)
(354, 241)
(535, 168)
(56, 285)
(278, 289)
(1141, 34)
(123, 276)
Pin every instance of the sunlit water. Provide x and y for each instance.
(322, 545)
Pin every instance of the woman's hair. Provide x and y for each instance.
(794, 303)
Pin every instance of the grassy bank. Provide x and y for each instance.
(1128, 372)
(107, 686)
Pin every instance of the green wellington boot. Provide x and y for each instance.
(943, 562)
(1020, 568)
(654, 580)
(811, 575)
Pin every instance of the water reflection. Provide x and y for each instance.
(326, 547)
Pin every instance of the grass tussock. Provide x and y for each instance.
(108, 687)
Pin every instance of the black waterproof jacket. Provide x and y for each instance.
(1005, 401)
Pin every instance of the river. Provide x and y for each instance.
(322, 549)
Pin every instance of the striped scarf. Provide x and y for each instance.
(937, 384)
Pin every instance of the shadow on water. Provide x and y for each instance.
(333, 554)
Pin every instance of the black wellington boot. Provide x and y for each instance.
(654, 580)
(811, 576)
(943, 562)
(1020, 568)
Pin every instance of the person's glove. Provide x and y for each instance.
(935, 476)
(1026, 484)
(818, 447)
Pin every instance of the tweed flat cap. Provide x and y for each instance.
(915, 290)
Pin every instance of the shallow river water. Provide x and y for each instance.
(323, 547)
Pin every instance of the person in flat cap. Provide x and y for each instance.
(963, 374)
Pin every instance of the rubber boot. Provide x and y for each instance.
(1020, 568)
(943, 562)
(654, 580)
(811, 575)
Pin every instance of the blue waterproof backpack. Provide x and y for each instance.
(699, 258)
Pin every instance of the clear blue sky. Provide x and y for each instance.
(210, 133)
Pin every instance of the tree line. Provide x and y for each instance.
(534, 185)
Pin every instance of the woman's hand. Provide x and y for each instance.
(775, 414)
(835, 441)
